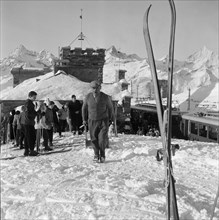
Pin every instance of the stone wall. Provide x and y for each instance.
(86, 65)
(163, 88)
(20, 74)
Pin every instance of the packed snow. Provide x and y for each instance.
(129, 185)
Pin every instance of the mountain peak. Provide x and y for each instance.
(118, 54)
(22, 56)
(20, 51)
(203, 54)
(21, 47)
(113, 51)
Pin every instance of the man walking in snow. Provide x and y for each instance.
(74, 114)
(97, 110)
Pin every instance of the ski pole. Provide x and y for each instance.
(215, 203)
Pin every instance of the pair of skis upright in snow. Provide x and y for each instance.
(164, 117)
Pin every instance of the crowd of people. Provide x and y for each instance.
(40, 120)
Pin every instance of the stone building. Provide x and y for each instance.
(163, 84)
(21, 74)
(86, 65)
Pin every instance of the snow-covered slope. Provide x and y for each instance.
(69, 185)
(199, 73)
(23, 57)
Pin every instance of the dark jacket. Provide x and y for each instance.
(17, 121)
(49, 118)
(99, 109)
(22, 118)
(73, 107)
(30, 113)
(55, 118)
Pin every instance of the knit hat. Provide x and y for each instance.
(94, 84)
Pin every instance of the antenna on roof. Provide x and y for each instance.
(81, 35)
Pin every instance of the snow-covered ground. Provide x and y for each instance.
(68, 185)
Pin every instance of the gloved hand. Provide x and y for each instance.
(85, 123)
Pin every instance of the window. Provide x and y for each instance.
(213, 131)
(194, 128)
(202, 130)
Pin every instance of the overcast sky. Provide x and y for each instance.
(46, 25)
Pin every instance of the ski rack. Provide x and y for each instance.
(164, 117)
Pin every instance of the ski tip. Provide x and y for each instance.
(145, 19)
(147, 11)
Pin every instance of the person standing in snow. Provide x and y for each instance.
(30, 133)
(17, 127)
(74, 114)
(49, 122)
(97, 111)
(22, 122)
(41, 127)
(56, 124)
(62, 114)
(11, 129)
(4, 127)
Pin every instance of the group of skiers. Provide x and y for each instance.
(41, 119)
(37, 119)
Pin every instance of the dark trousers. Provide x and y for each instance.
(18, 136)
(99, 135)
(15, 131)
(22, 136)
(75, 122)
(11, 132)
(62, 124)
(45, 137)
(58, 128)
(30, 137)
(50, 135)
(5, 132)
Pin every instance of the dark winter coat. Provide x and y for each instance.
(22, 118)
(17, 121)
(49, 118)
(73, 108)
(55, 118)
(30, 113)
(98, 109)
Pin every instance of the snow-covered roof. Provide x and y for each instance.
(202, 118)
(123, 81)
(55, 87)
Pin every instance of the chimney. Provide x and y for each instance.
(188, 107)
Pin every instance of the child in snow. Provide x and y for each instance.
(140, 131)
(41, 128)
(62, 114)
(17, 127)
(111, 130)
